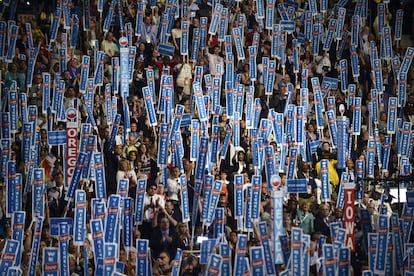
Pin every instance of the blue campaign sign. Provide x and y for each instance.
(185, 120)
(54, 225)
(410, 199)
(165, 49)
(288, 26)
(297, 186)
(57, 137)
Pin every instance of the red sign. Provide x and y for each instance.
(71, 143)
(349, 216)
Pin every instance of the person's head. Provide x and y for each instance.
(151, 190)
(240, 155)
(147, 20)
(123, 165)
(305, 206)
(287, 220)
(233, 237)
(325, 210)
(118, 148)
(305, 167)
(109, 36)
(164, 223)
(223, 200)
(169, 206)
(182, 229)
(187, 165)
(338, 212)
(371, 207)
(326, 147)
(216, 50)
(350, 164)
(175, 173)
(163, 260)
(142, 149)
(58, 178)
(132, 155)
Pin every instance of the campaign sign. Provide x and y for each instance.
(277, 198)
(218, 223)
(215, 195)
(269, 164)
(177, 262)
(329, 261)
(349, 216)
(300, 125)
(392, 115)
(354, 61)
(110, 258)
(18, 220)
(139, 200)
(398, 24)
(372, 248)
(292, 163)
(296, 251)
(257, 260)
(238, 196)
(225, 254)
(270, 10)
(410, 199)
(38, 187)
(163, 144)
(55, 225)
(382, 244)
(79, 228)
(297, 186)
(98, 239)
(100, 182)
(184, 199)
(11, 188)
(326, 187)
(8, 256)
(237, 36)
(329, 34)
(50, 261)
(142, 256)
(256, 196)
(207, 187)
(241, 249)
(112, 218)
(56, 137)
(35, 246)
(64, 249)
(377, 68)
(356, 124)
(214, 265)
(396, 233)
(402, 89)
(206, 249)
(330, 114)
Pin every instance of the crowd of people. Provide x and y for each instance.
(133, 153)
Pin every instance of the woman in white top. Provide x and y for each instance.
(176, 34)
(125, 172)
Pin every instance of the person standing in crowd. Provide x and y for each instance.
(164, 238)
(152, 202)
(321, 223)
(56, 196)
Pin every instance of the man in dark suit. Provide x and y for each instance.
(56, 196)
(164, 238)
(322, 221)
